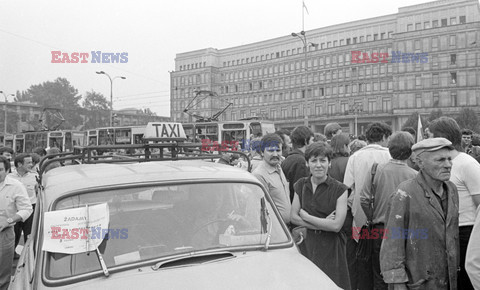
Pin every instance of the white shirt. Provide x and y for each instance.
(465, 174)
(358, 167)
(29, 181)
(472, 258)
(14, 199)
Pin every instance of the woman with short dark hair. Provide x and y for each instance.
(320, 204)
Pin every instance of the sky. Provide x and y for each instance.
(152, 32)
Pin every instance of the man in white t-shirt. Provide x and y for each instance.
(465, 174)
(358, 168)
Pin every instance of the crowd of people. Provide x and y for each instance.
(18, 197)
(422, 197)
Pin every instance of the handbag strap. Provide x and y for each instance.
(373, 171)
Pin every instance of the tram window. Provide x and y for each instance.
(123, 136)
(256, 129)
(105, 137)
(138, 138)
(92, 140)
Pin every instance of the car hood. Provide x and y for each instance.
(275, 269)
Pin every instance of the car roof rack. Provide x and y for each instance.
(149, 152)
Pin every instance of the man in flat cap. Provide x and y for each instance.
(421, 249)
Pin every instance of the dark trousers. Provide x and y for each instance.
(463, 279)
(351, 251)
(365, 274)
(360, 272)
(378, 283)
(25, 227)
(6, 256)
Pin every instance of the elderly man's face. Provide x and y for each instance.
(436, 164)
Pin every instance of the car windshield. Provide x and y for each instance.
(166, 221)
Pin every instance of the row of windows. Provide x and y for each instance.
(325, 61)
(330, 44)
(327, 90)
(443, 79)
(193, 65)
(443, 42)
(435, 23)
(313, 47)
(318, 109)
(426, 80)
(438, 99)
(346, 41)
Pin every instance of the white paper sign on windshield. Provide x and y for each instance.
(75, 230)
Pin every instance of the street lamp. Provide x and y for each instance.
(303, 37)
(5, 118)
(111, 91)
(357, 108)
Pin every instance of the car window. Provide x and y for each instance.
(163, 221)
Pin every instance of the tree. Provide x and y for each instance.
(96, 110)
(434, 115)
(12, 120)
(95, 101)
(57, 94)
(468, 119)
(412, 121)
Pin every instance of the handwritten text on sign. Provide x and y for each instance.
(74, 222)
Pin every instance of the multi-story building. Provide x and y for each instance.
(275, 79)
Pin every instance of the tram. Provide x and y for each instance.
(64, 140)
(242, 131)
(116, 135)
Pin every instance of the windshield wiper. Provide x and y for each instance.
(194, 258)
(99, 255)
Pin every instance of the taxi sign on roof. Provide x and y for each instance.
(161, 131)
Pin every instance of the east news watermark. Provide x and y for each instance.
(89, 57)
(384, 57)
(59, 233)
(394, 233)
(246, 144)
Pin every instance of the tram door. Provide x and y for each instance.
(19, 143)
(55, 139)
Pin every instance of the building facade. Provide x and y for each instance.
(423, 58)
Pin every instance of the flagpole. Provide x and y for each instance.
(303, 15)
(419, 129)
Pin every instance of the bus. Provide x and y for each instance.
(241, 131)
(116, 135)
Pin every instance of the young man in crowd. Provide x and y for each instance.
(24, 164)
(295, 166)
(15, 207)
(358, 168)
(385, 181)
(270, 174)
